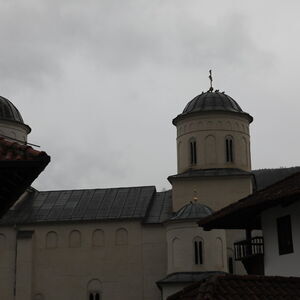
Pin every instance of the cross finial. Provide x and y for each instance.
(211, 80)
(195, 198)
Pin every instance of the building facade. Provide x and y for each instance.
(132, 243)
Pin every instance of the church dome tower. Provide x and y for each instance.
(12, 125)
(213, 151)
(213, 132)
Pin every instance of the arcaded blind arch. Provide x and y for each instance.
(121, 236)
(175, 252)
(193, 151)
(229, 149)
(244, 151)
(94, 289)
(198, 245)
(98, 238)
(179, 155)
(210, 149)
(75, 239)
(51, 240)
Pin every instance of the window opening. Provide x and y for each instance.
(94, 296)
(198, 249)
(229, 149)
(193, 152)
(285, 238)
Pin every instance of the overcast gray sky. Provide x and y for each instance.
(99, 82)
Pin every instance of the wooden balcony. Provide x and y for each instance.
(251, 253)
(245, 249)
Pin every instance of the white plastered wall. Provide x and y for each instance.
(275, 264)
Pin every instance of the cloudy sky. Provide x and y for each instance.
(100, 81)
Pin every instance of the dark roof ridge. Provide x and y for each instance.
(91, 189)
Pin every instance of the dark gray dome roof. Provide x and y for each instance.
(193, 210)
(9, 112)
(212, 101)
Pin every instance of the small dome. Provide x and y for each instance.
(193, 210)
(9, 112)
(212, 101)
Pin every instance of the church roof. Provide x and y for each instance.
(8, 111)
(94, 204)
(19, 167)
(192, 211)
(212, 102)
(228, 287)
(141, 203)
(186, 277)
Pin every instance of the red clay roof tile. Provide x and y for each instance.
(231, 287)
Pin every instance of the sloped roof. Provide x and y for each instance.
(186, 277)
(192, 211)
(244, 287)
(93, 204)
(245, 212)
(19, 167)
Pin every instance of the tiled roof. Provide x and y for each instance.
(186, 277)
(245, 212)
(12, 151)
(95, 204)
(246, 287)
(19, 167)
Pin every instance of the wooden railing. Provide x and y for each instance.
(248, 248)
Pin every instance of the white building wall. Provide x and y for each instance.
(287, 264)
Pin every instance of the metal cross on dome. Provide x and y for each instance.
(211, 80)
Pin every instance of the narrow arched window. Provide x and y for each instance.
(193, 151)
(94, 290)
(198, 251)
(229, 148)
(94, 296)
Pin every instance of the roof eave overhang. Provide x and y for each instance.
(13, 122)
(211, 112)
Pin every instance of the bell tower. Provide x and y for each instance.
(213, 151)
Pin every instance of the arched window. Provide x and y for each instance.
(75, 239)
(98, 239)
(198, 251)
(121, 236)
(229, 148)
(94, 296)
(94, 290)
(193, 151)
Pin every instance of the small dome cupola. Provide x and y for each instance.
(192, 211)
(212, 101)
(12, 125)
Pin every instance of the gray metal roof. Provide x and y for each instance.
(210, 173)
(212, 101)
(8, 111)
(192, 210)
(161, 208)
(97, 204)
